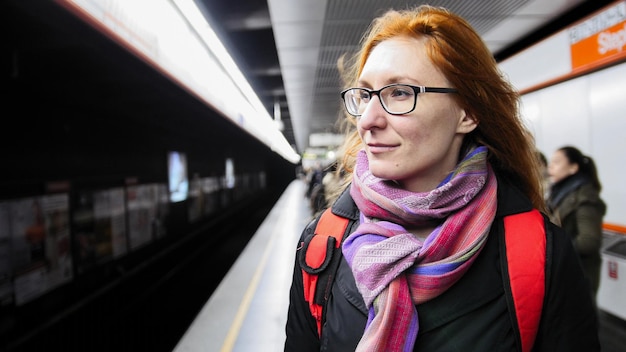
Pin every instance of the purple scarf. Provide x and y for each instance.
(394, 270)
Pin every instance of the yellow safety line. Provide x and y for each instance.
(233, 332)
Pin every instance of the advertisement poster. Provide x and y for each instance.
(163, 210)
(211, 190)
(226, 193)
(110, 222)
(148, 211)
(142, 210)
(195, 202)
(99, 227)
(40, 245)
(86, 240)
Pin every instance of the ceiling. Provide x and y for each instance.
(289, 48)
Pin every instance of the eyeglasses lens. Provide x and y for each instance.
(395, 99)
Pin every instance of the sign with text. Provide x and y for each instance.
(599, 38)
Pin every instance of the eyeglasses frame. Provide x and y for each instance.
(416, 89)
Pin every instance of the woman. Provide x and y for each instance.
(575, 204)
(437, 157)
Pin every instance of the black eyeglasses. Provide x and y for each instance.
(396, 99)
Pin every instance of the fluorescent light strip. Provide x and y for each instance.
(135, 23)
(191, 12)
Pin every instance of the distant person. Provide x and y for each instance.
(545, 177)
(332, 182)
(437, 157)
(315, 191)
(314, 178)
(575, 204)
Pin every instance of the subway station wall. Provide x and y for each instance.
(573, 85)
(588, 112)
(85, 180)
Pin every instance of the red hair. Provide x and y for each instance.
(459, 53)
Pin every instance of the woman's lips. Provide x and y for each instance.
(377, 148)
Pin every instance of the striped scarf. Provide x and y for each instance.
(394, 270)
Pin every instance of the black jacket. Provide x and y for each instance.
(576, 205)
(470, 316)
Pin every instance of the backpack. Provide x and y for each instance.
(525, 252)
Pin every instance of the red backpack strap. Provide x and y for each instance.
(525, 242)
(319, 263)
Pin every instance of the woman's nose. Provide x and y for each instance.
(374, 116)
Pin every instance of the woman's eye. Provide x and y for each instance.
(399, 93)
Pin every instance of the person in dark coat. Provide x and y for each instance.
(575, 204)
(436, 156)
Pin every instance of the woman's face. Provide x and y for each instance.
(560, 167)
(420, 148)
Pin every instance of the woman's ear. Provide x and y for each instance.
(467, 123)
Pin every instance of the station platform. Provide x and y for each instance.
(248, 310)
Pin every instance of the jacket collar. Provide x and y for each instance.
(565, 187)
(345, 207)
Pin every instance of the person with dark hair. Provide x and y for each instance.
(575, 204)
(436, 159)
(545, 178)
(315, 191)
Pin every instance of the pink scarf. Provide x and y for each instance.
(393, 269)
